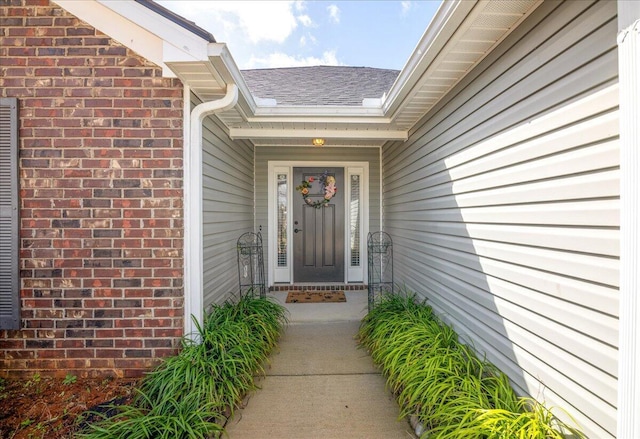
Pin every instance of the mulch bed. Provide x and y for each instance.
(43, 407)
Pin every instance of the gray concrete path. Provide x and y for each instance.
(320, 385)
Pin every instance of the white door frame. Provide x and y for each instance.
(285, 274)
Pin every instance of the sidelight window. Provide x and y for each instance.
(282, 194)
(354, 221)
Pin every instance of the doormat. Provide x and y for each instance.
(315, 296)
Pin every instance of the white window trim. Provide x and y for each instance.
(285, 275)
(279, 274)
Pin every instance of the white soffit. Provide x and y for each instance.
(461, 34)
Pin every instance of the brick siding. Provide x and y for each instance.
(101, 198)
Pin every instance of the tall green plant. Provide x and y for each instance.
(454, 393)
(190, 394)
(187, 418)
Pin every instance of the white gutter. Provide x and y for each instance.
(193, 239)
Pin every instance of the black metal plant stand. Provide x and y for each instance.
(251, 264)
(380, 258)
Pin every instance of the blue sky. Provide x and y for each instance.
(265, 34)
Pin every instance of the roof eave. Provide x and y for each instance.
(145, 31)
(446, 20)
(445, 37)
(208, 67)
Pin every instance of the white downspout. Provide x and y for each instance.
(193, 239)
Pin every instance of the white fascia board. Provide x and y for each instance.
(353, 119)
(324, 111)
(117, 27)
(147, 33)
(188, 44)
(263, 133)
(443, 26)
(221, 59)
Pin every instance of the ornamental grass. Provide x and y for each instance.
(192, 394)
(434, 376)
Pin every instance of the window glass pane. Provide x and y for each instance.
(282, 220)
(354, 215)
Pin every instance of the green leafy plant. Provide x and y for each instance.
(190, 395)
(453, 393)
(69, 379)
(187, 418)
(34, 381)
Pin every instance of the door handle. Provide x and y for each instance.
(297, 230)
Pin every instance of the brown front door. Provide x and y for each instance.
(318, 238)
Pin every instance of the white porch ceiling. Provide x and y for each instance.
(461, 35)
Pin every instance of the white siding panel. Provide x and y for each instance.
(227, 208)
(582, 240)
(536, 169)
(602, 184)
(602, 213)
(504, 209)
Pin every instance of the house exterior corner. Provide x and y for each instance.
(100, 166)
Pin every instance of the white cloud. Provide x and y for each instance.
(305, 20)
(300, 5)
(261, 34)
(406, 5)
(256, 20)
(334, 13)
(279, 59)
(307, 39)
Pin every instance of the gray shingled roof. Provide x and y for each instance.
(320, 85)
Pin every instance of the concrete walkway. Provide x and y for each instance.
(319, 384)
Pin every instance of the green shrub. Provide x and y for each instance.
(440, 380)
(189, 395)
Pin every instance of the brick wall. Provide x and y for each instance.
(101, 198)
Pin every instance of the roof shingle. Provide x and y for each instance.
(320, 85)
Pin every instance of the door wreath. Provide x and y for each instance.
(329, 188)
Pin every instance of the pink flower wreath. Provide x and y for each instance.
(328, 186)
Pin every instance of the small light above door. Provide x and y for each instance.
(318, 142)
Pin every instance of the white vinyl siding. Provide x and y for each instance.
(9, 209)
(504, 209)
(342, 155)
(227, 179)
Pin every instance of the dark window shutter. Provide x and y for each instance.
(9, 209)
